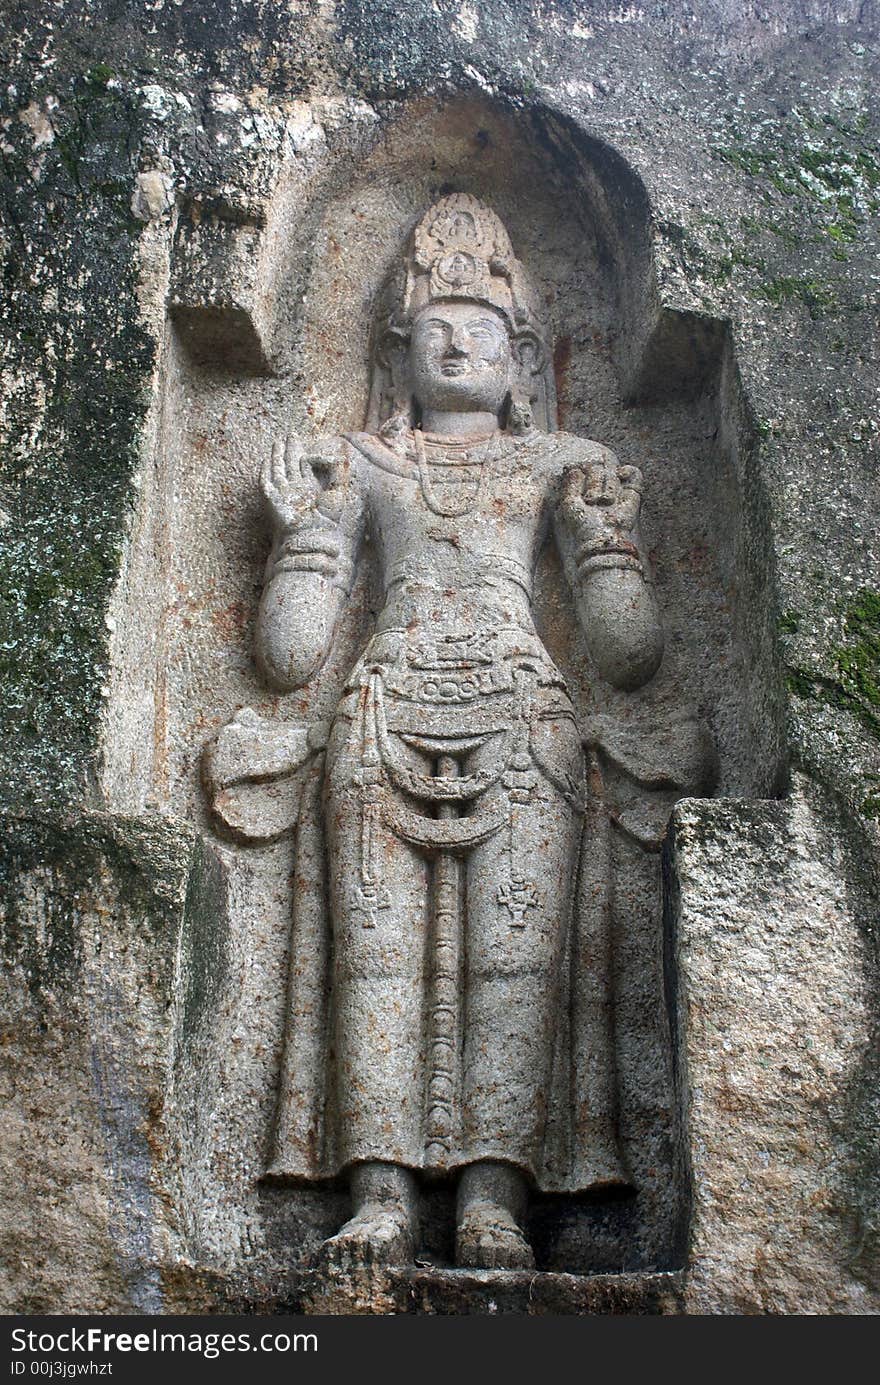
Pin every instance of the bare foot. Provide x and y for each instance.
(488, 1237)
(376, 1235)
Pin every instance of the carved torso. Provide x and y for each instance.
(458, 530)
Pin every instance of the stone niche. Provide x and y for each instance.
(268, 319)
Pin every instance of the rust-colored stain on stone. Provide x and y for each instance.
(561, 366)
(232, 621)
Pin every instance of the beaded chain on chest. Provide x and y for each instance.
(457, 508)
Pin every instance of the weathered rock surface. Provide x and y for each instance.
(705, 190)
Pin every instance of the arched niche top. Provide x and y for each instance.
(287, 286)
(273, 307)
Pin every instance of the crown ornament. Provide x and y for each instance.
(460, 249)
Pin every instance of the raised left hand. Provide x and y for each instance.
(600, 504)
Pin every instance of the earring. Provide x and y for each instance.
(519, 416)
(394, 428)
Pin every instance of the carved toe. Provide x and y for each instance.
(489, 1238)
(375, 1236)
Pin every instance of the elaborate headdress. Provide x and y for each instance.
(459, 250)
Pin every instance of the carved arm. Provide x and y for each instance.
(315, 530)
(597, 527)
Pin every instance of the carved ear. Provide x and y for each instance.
(389, 376)
(391, 351)
(528, 352)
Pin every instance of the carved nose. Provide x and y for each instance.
(454, 346)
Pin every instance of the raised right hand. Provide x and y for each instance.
(289, 486)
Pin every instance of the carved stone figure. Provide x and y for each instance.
(448, 1010)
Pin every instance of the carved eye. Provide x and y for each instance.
(484, 330)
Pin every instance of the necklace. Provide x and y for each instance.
(471, 502)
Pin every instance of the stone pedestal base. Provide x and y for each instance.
(452, 1292)
(426, 1290)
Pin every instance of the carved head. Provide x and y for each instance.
(460, 357)
(458, 319)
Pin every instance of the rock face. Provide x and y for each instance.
(201, 209)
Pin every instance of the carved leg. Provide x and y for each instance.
(491, 1204)
(380, 921)
(384, 1227)
(379, 982)
(520, 888)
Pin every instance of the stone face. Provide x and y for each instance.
(200, 213)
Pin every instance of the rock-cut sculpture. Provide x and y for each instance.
(448, 1014)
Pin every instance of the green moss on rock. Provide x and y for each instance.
(65, 880)
(818, 297)
(856, 686)
(78, 365)
(859, 659)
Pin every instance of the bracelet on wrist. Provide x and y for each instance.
(597, 547)
(610, 562)
(308, 541)
(341, 573)
(306, 562)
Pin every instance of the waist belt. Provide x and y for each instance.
(488, 570)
